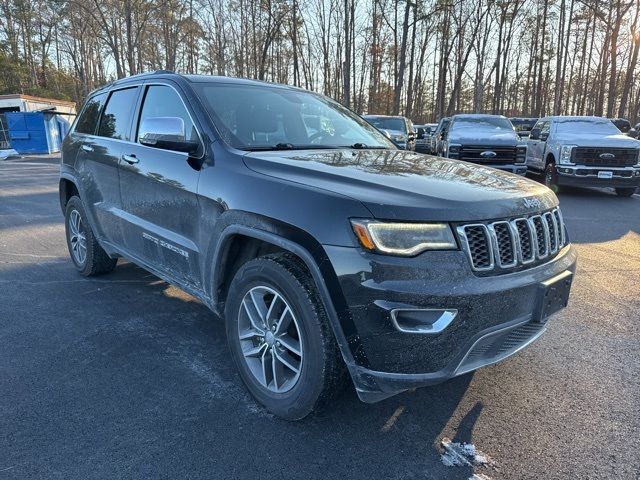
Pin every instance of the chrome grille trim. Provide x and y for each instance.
(552, 227)
(462, 232)
(506, 244)
(498, 249)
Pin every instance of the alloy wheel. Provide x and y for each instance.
(77, 237)
(270, 339)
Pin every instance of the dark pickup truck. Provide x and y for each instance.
(489, 140)
(326, 250)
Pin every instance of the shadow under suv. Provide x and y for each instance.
(325, 249)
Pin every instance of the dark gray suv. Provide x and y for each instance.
(327, 251)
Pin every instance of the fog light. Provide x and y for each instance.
(416, 320)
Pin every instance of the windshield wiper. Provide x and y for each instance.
(364, 146)
(277, 146)
(291, 146)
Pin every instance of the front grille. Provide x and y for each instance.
(614, 157)
(503, 155)
(508, 244)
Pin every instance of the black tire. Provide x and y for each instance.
(550, 177)
(96, 260)
(625, 191)
(322, 371)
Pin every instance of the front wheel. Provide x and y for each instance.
(279, 337)
(551, 177)
(625, 191)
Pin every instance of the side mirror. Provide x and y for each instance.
(535, 134)
(167, 133)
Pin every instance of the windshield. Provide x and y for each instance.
(262, 118)
(485, 123)
(387, 123)
(582, 126)
(523, 125)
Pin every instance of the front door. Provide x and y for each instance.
(536, 147)
(158, 188)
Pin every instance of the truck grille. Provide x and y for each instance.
(508, 244)
(622, 157)
(503, 155)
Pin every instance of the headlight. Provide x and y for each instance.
(406, 239)
(399, 138)
(638, 164)
(565, 154)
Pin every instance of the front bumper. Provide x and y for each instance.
(587, 176)
(495, 315)
(517, 169)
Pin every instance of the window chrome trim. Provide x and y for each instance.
(161, 83)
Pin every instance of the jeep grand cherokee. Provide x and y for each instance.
(325, 249)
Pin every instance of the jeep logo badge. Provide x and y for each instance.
(532, 203)
(607, 156)
(488, 154)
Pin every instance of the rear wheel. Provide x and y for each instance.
(88, 256)
(626, 191)
(279, 337)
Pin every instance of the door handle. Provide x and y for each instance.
(131, 159)
(87, 148)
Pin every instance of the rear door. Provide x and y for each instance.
(102, 128)
(159, 201)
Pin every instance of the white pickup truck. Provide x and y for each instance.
(584, 151)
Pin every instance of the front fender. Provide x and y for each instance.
(314, 257)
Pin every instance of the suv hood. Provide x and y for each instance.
(595, 140)
(396, 184)
(484, 137)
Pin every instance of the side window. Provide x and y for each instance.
(546, 128)
(163, 101)
(116, 118)
(88, 119)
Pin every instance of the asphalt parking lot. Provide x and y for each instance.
(124, 376)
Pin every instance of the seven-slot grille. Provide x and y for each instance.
(622, 157)
(507, 244)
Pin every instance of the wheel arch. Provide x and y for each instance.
(268, 238)
(549, 158)
(67, 188)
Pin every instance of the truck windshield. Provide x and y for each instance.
(485, 123)
(387, 123)
(275, 118)
(588, 126)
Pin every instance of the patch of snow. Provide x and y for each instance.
(479, 476)
(463, 455)
(7, 153)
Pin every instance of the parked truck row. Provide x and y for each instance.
(560, 150)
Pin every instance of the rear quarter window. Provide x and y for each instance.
(117, 115)
(88, 119)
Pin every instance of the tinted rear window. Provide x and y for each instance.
(88, 120)
(116, 118)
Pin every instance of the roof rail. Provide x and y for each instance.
(144, 74)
